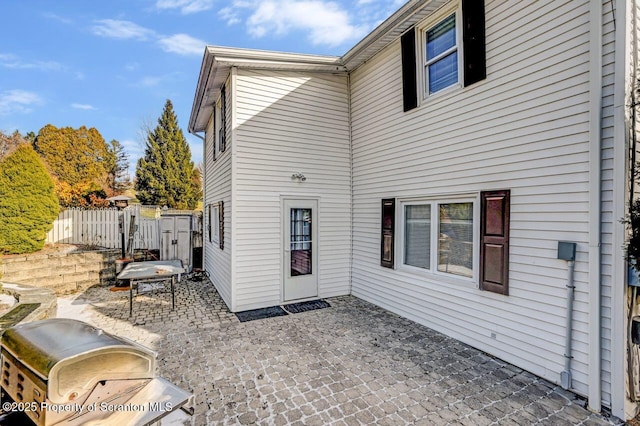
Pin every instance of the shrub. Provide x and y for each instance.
(28, 205)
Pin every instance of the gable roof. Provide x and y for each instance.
(218, 61)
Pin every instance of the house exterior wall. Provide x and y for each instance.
(217, 262)
(286, 123)
(524, 128)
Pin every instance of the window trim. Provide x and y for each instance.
(433, 271)
(422, 29)
(214, 223)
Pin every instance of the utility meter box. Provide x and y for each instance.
(566, 250)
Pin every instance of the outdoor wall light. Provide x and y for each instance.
(298, 176)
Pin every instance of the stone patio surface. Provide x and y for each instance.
(350, 364)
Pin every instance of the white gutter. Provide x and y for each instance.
(237, 55)
(595, 167)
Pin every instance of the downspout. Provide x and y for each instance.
(595, 170)
(350, 181)
(565, 376)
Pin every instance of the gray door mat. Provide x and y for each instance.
(312, 305)
(262, 313)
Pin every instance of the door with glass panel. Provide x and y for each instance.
(300, 249)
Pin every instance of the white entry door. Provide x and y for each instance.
(300, 249)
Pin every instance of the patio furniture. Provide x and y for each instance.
(152, 271)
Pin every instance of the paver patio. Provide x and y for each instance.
(353, 363)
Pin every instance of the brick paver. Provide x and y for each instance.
(351, 364)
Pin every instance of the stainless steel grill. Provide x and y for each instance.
(64, 371)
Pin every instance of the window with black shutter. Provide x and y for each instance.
(494, 241)
(444, 41)
(387, 237)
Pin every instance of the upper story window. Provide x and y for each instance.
(441, 55)
(446, 50)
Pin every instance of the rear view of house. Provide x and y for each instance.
(462, 166)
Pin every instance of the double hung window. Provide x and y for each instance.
(441, 55)
(447, 49)
(439, 237)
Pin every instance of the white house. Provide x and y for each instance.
(443, 169)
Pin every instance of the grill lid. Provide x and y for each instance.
(40, 345)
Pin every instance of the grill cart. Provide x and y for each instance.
(66, 372)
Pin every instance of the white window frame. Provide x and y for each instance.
(423, 28)
(433, 271)
(214, 218)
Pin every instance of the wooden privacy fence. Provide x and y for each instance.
(100, 228)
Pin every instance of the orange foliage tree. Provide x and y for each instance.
(78, 159)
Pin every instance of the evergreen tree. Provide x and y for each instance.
(118, 168)
(28, 205)
(164, 176)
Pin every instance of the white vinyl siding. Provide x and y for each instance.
(218, 188)
(525, 128)
(289, 123)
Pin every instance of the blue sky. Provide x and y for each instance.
(112, 64)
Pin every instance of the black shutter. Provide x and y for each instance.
(221, 223)
(215, 137)
(409, 83)
(223, 119)
(388, 226)
(494, 241)
(473, 40)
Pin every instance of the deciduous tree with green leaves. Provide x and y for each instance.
(28, 204)
(165, 175)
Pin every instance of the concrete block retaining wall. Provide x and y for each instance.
(63, 273)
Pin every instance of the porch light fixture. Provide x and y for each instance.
(299, 177)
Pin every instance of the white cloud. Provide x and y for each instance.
(56, 17)
(13, 61)
(182, 44)
(186, 6)
(230, 15)
(150, 81)
(20, 101)
(113, 28)
(325, 21)
(83, 106)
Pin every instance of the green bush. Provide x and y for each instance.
(28, 204)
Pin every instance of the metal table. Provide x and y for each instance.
(152, 271)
